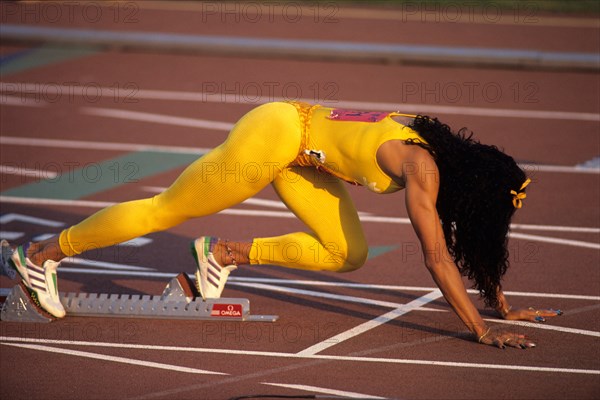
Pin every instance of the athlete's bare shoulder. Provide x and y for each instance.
(397, 159)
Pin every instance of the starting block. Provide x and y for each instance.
(179, 300)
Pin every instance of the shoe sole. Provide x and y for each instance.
(35, 303)
(197, 274)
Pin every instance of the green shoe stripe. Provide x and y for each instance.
(193, 250)
(54, 280)
(207, 240)
(22, 256)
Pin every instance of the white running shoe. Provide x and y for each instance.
(210, 276)
(40, 281)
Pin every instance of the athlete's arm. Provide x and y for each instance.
(421, 178)
(422, 183)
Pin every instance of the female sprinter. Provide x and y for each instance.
(460, 197)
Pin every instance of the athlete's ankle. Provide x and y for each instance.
(230, 253)
(41, 252)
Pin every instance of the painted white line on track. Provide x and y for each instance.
(43, 236)
(157, 118)
(333, 392)
(114, 146)
(22, 101)
(12, 217)
(32, 173)
(10, 235)
(583, 332)
(402, 307)
(92, 145)
(365, 217)
(383, 360)
(104, 264)
(405, 288)
(554, 228)
(239, 98)
(239, 280)
(123, 360)
(560, 168)
(374, 323)
(546, 239)
(56, 202)
(324, 295)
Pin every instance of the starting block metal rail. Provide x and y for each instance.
(179, 300)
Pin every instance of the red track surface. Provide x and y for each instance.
(554, 199)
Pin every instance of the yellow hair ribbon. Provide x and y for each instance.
(520, 196)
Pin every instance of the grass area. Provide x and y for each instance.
(583, 7)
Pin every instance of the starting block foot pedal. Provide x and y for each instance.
(20, 307)
(180, 288)
(179, 300)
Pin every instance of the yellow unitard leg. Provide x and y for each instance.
(257, 152)
(336, 243)
(259, 147)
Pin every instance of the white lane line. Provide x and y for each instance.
(104, 264)
(554, 228)
(55, 202)
(157, 118)
(324, 295)
(22, 101)
(374, 323)
(109, 146)
(12, 217)
(313, 357)
(593, 163)
(240, 280)
(333, 392)
(547, 239)
(137, 242)
(365, 217)
(32, 173)
(404, 288)
(559, 168)
(238, 98)
(10, 235)
(92, 145)
(546, 327)
(361, 300)
(123, 360)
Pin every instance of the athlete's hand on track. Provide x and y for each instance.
(506, 339)
(531, 314)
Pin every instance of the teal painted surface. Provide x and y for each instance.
(375, 251)
(78, 181)
(42, 56)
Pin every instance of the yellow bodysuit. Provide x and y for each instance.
(344, 143)
(305, 152)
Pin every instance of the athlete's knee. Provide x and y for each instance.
(348, 257)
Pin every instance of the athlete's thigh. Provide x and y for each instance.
(260, 145)
(322, 202)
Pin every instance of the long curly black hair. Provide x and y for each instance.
(474, 202)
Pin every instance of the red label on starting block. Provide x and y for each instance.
(226, 310)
